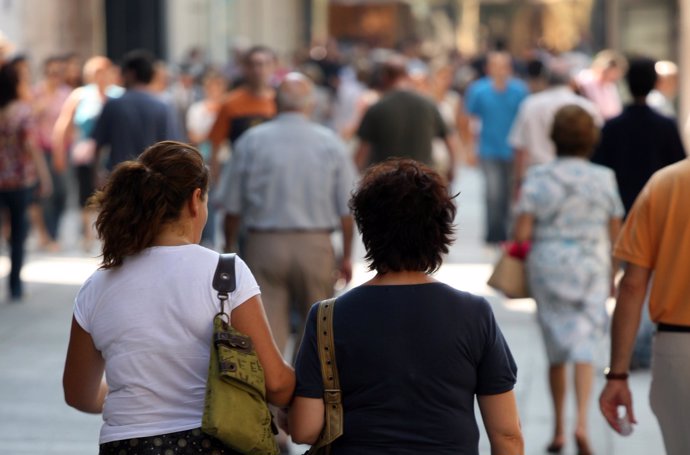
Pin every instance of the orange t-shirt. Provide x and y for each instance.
(240, 111)
(656, 235)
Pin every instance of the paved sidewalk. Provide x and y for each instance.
(33, 338)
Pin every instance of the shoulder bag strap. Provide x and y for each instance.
(332, 395)
(224, 278)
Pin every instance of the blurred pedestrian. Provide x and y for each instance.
(135, 120)
(640, 141)
(200, 119)
(598, 83)
(21, 162)
(48, 97)
(248, 105)
(289, 183)
(73, 70)
(73, 130)
(449, 104)
(635, 145)
(495, 101)
(142, 326)
(570, 211)
(530, 134)
(663, 97)
(387, 127)
(6, 49)
(411, 353)
(655, 240)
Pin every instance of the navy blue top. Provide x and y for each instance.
(132, 123)
(411, 359)
(635, 145)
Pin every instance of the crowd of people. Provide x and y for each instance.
(261, 157)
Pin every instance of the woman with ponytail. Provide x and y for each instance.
(144, 318)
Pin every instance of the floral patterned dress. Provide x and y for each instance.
(569, 265)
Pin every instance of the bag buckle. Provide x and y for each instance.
(332, 396)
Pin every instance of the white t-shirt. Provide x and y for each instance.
(200, 119)
(151, 319)
(531, 130)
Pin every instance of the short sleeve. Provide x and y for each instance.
(83, 304)
(530, 191)
(604, 149)
(229, 192)
(307, 365)
(471, 99)
(221, 127)
(367, 127)
(516, 137)
(246, 285)
(634, 243)
(441, 130)
(345, 179)
(497, 371)
(617, 209)
(100, 130)
(676, 151)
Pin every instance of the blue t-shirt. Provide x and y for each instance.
(411, 359)
(497, 111)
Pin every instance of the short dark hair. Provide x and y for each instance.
(140, 64)
(9, 84)
(574, 132)
(405, 214)
(258, 49)
(641, 76)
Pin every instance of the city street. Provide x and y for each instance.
(33, 338)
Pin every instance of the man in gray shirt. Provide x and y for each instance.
(289, 184)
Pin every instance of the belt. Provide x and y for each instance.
(289, 231)
(661, 327)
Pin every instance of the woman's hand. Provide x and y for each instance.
(250, 319)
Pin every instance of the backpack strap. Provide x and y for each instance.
(224, 278)
(332, 395)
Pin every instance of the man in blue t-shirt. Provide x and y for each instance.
(494, 101)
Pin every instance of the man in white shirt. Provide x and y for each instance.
(530, 135)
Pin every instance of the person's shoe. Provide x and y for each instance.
(554, 448)
(583, 447)
(556, 445)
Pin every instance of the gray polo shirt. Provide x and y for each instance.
(288, 173)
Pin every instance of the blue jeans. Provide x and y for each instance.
(16, 202)
(498, 177)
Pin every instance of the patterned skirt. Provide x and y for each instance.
(189, 442)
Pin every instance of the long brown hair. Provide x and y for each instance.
(144, 194)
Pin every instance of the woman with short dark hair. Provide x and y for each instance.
(412, 353)
(571, 212)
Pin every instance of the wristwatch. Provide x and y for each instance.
(611, 376)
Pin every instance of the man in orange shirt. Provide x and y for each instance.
(655, 239)
(246, 106)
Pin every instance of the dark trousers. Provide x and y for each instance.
(54, 205)
(16, 202)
